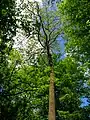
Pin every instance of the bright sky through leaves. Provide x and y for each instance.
(37, 0)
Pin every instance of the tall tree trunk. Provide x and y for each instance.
(52, 115)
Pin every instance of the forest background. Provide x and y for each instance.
(36, 82)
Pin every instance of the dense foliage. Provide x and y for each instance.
(75, 17)
(24, 84)
(7, 32)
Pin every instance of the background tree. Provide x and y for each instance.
(69, 89)
(75, 21)
(76, 27)
(7, 23)
(7, 32)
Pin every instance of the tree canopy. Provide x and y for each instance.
(35, 82)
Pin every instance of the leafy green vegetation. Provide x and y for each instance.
(35, 83)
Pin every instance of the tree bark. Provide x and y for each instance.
(52, 115)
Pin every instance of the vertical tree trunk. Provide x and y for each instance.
(51, 115)
(52, 97)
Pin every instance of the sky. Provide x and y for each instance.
(84, 102)
(39, 0)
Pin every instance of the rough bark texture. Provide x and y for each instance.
(52, 115)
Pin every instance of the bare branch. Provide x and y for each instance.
(41, 22)
(54, 39)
